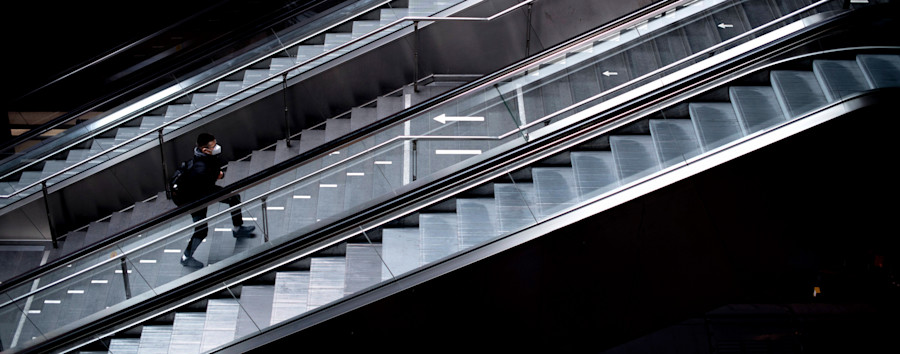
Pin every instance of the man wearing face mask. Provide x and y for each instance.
(200, 181)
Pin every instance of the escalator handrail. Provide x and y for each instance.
(321, 150)
(449, 185)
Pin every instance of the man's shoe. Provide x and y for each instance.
(243, 231)
(190, 262)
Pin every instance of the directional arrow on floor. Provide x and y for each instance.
(444, 119)
(609, 73)
(725, 25)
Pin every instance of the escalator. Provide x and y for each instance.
(357, 259)
(59, 166)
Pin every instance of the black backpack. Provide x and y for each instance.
(179, 181)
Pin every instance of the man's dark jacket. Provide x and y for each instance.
(200, 179)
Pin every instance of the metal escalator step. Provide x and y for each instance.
(362, 27)
(643, 58)
(702, 33)
(359, 178)
(311, 138)
(516, 206)
(363, 266)
(756, 107)
(97, 231)
(388, 16)
(362, 116)
(477, 222)
(336, 128)
(715, 123)
(839, 78)
(401, 250)
(387, 106)
(326, 280)
(439, 235)
(635, 155)
(730, 22)
(595, 172)
(124, 345)
(332, 186)
(119, 221)
(880, 70)
(278, 65)
(613, 71)
(798, 92)
(252, 76)
(220, 324)
(187, 332)
(291, 295)
(236, 171)
(303, 198)
(584, 83)
(261, 160)
(554, 188)
(675, 139)
(283, 152)
(333, 40)
(256, 309)
(155, 339)
(759, 12)
(74, 242)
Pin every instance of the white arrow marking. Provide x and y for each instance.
(725, 25)
(610, 73)
(444, 119)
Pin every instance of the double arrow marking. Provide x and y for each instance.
(444, 119)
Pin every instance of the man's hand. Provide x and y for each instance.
(221, 174)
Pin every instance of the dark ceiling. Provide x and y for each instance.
(48, 39)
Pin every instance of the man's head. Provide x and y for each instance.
(207, 144)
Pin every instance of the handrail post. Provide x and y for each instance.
(53, 237)
(165, 169)
(287, 123)
(415, 159)
(265, 220)
(125, 278)
(416, 56)
(528, 31)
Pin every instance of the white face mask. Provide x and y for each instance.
(217, 150)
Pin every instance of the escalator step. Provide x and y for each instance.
(756, 107)
(326, 280)
(291, 295)
(220, 323)
(798, 92)
(635, 155)
(363, 267)
(515, 206)
(401, 251)
(839, 78)
(187, 332)
(155, 339)
(715, 123)
(881, 70)
(439, 235)
(256, 309)
(554, 189)
(595, 172)
(477, 221)
(675, 139)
